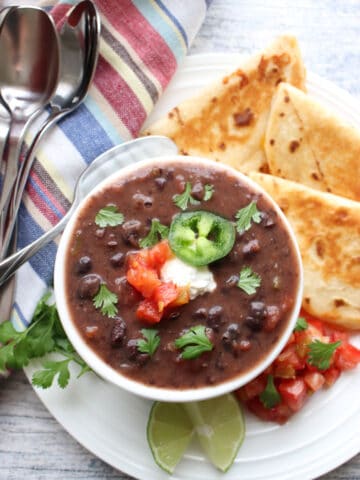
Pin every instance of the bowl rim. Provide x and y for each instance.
(98, 365)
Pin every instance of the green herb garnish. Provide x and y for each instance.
(181, 200)
(157, 230)
(194, 342)
(44, 335)
(270, 397)
(320, 353)
(301, 324)
(150, 343)
(249, 281)
(209, 192)
(245, 216)
(109, 217)
(106, 301)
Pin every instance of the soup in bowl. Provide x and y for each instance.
(178, 279)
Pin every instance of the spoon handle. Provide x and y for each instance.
(24, 172)
(9, 266)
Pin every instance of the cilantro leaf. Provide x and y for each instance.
(249, 281)
(106, 301)
(7, 332)
(301, 324)
(109, 216)
(181, 200)
(194, 342)
(245, 216)
(44, 378)
(157, 230)
(150, 343)
(270, 397)
(320, 353)
(209, 192)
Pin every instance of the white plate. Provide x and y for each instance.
(112, 423)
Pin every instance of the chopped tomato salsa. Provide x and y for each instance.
(143, 273)
(313, 358)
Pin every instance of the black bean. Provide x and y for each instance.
(118, 332)
(200, 314)
(268, 219)
(126, 293)
(130, 232)
(231, 335)
(256, 316)
(133, 353)
(100, 232)
(142, 201)
(84, 265)
(214, 319)
(160, 182)
(255, 324)
(251, 247)
(89, 286)
(197, 191)
(232, 281)
(173, 315)
(117, 260)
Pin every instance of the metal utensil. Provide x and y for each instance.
(28, 77)
(79, 45)
(106, 164)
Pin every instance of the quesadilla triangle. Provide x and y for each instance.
(307, 143)
(226, 121)
(327, 228)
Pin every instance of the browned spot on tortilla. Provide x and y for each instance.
(272, 141)
(294, 145)
(286, 99)
(307, 300)
(170, 114)
(222, 146)
(339, 302)
(243, 119)
(264, 169)
(315, 176)
(281, 114)
(214, 99)
(320, 248)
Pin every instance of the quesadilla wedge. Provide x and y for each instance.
(227, 121)
(307, 143)
(327, 228)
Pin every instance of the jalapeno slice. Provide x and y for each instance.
(200, 237)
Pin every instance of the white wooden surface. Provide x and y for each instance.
(32, 444)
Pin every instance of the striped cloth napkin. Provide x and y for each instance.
(142, 43)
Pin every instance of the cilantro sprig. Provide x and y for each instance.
(157, 230)
(182, 200)
(249, 281)
(301, 324)
(270, 397)
(194, 342)
(149, 344)
(109, 216)
(44, 335)
(106, 301)
(320, 353)
(245, 216)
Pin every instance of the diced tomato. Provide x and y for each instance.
(164, 294)
(255, 387)
(148, 311)
(280, 413)
(289, 357)
(331, 375)
(293, 392)
(284, 371)
(314, 380)
(182, 298)
(346, 356)
(159, 254)
(145, 280)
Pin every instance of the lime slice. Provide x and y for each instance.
(169, 431)
(220, 427)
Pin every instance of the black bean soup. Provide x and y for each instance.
(241, 320)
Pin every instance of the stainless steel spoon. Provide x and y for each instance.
(79, 46)
(28, 77)
(106, 164)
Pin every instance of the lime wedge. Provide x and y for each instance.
(220, 427)
(169, 431)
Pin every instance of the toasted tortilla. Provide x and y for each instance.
(327, 228)
(307, 143)
(227, 121)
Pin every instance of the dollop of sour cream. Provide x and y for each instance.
(199, 279)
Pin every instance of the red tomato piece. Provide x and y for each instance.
(293, 393)
(159, 254)
(148, 311)
(331, 375)
(289, 357)
(314, 380)
(255, 387)
(279, 414)
(165, 294)
(145, 280)
(346, 356)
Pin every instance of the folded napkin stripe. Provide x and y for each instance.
(141, 44)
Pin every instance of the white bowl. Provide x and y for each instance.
(108, 373)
